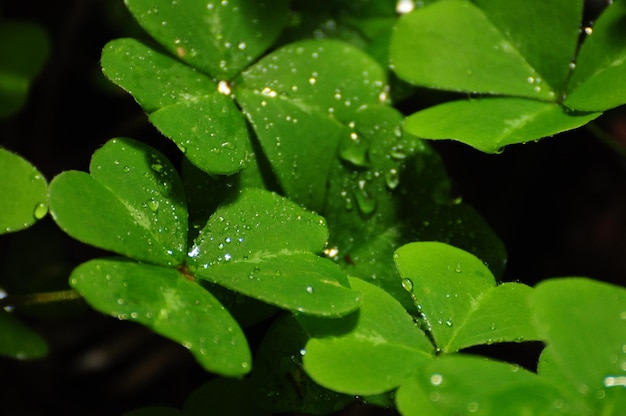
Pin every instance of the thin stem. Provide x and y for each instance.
(606, 138)
(39, 298)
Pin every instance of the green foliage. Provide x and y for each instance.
(521, 56)
(302, 188)
(24, 48)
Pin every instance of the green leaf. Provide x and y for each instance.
(371, 351)
(296, 99)
(453, 45)
(461, 384)
(210, 131)
(599, 81)
(489, 124)
(458, 298)
(24, 48)
(183, 103)
(218, 37)
(263, 245)
(544, 32)
(23, 191)
(132, 203)
(19, 341)
(584, 322)
(171, 305)
(280, 384)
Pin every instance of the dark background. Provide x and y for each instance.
(559, 205)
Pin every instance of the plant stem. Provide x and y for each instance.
(606, 138)
(39, 298)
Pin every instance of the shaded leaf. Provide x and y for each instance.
(132, 203)
(489, 124)
(171, 305)
(599, 81)
(280, 384)
(23, 191)
(19, 341)
(264, 246)
(379, 348)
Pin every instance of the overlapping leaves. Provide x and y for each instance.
(522, 52)
(299, 95)
(132, 203)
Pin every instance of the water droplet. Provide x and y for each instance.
(472, 407)
(405, 6)
(120, 301)
(241, 46)
(227, 257)
(126, 169)
(492, 327)
(366, 204)
(407, 284)
(458, 268)
(310, 290)
(157, 167)
(588, 30)
(153, 204)
(392, 178)
(224, 88)
(436, 379)
(41, 209)
(449, 323)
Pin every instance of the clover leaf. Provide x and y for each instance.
(132, 203)
(520, 58)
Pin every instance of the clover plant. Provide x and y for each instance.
(305, 199)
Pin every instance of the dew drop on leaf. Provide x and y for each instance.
(407, 284)
(310, 290)
(436, 379)
(392, 178)
(41, 210)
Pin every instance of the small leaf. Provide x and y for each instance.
(133, 203)
(584, 323)
(453, 45)
(263, 245)
(19, 341)
(458, 298)
(380, 348)
(171, 305)
(23, 191)
(210, 131)
(218, 37)
(461, 384)
(489, 124)
(599, 81)
(183, 104)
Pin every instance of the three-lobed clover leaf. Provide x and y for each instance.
(297, 98)
(521, 56)
(132, 203)
(459, 300)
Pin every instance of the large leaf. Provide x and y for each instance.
(132, 203)
(218, 37)
(462, 384)
(171, 305)
(23, 191)
(544, 32)
(599, 81)
(458, 297)
(489, 124)
(370, 351)
(453, 45)
(584, 322)
(264, 246)
(182, 102)
(296, 98)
